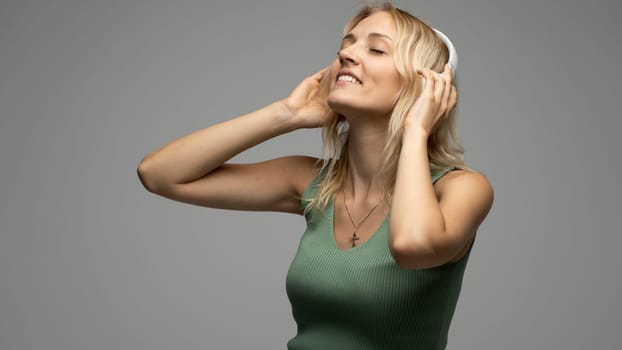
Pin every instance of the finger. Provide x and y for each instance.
(448, 74)
(453, 97)
(448, 84)
(322, 71)
(449, 104)
(428, 81)
(319, 74)
(439, 86)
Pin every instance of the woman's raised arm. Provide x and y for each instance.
(193, 168)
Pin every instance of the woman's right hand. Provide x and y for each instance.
(307, 104)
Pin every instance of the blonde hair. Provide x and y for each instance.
(417, 46)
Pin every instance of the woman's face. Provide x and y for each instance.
(363, 76)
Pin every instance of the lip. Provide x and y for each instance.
(347, 72)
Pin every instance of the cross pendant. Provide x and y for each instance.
(354, 239)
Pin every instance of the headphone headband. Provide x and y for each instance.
(453, 55)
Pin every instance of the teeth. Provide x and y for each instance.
(348, 78)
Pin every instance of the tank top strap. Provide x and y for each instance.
(439, 173)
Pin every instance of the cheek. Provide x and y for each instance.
(388, 76)
(395, 81)
(333, 68)
(391, 86)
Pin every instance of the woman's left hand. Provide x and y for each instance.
(436, 100)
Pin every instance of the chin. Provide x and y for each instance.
(346, 108)
(340, 103)
(340, 106)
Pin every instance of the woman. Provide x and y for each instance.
(391, 210)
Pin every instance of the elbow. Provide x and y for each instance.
(404, 250)
(412, 253)
(145, 176)
(400, 256)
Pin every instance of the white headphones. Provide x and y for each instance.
(453, 55)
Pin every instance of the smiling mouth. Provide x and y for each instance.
(348, 78)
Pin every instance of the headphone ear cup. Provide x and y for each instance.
(453, 55)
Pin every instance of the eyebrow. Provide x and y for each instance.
(351, 36)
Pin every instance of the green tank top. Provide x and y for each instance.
(359, 298)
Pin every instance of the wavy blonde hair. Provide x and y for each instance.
(417, 46)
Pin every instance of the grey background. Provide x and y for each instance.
(90, 260)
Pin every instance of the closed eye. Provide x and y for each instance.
(376, 51)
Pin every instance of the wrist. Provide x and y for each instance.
(416, 133)
(283, 117)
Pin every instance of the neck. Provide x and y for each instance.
(365, 145)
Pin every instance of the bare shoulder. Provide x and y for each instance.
(302, 170)
(462, 178)
(468, 184)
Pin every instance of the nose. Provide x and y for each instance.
(347, 54)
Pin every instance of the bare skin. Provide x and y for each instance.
(430, 225)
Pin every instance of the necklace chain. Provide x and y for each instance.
(356, 226)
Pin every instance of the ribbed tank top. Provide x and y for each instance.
(359, 298)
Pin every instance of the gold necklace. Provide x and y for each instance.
(356, 226)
